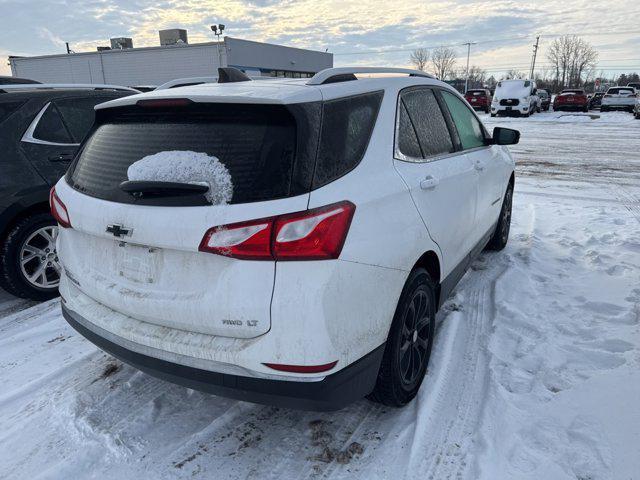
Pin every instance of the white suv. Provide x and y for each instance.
(285, 242)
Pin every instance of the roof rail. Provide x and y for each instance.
(62, 86)
(342, 74)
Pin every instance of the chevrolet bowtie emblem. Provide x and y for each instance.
(119, 230)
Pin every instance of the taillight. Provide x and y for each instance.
(317, 234)
(59, 210)
(244, 240)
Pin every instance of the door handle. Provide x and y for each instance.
(429, 183)
(61, 157)
(478, 165)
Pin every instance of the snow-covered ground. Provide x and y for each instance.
(535, 372)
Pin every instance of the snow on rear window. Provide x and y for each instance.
(513, 89)
(184, 166)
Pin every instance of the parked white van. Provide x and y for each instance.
(515, 97)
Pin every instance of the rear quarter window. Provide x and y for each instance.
(347, 124)
(51, 128)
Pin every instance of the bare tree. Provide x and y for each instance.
(420, 58)
(514, 74)
(477, 76)
(443, 60)
(573, 60)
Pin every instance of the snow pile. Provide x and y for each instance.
(184, 166)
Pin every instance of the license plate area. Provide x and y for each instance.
(137, 263)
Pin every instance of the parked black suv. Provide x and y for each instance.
(40, 131)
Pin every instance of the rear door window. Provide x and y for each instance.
(467, 124)
(407, 137)
(7, 108)
(51, 128)
(424, 114)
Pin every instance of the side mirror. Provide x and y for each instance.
(505, 136)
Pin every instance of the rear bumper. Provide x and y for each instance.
(570, 106)
(617, 106)
(332, 393)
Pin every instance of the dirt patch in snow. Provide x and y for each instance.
(321, 437)
(111, 369)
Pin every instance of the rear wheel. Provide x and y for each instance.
(408, 347)
(29, 265)
(501, 234)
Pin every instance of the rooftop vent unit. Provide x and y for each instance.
(121, 43)
(173, 36)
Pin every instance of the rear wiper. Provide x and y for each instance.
(148, 188)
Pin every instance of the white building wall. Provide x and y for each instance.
(157, 65)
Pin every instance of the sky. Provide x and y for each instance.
(364, 32)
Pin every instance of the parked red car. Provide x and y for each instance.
(479, 99)
(571, 99)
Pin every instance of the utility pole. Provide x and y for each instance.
(68, 49)
(535, 54)
(466, 82)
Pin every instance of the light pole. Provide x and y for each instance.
(466, 82)
(217, 31)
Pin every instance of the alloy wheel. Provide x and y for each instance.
(414, 342)
(39, 259)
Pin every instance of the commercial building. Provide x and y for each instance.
(156, 65)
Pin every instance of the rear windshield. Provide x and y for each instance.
(256, 144)
(264, 151)
(621, 91)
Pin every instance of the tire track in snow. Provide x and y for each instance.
(629, 200)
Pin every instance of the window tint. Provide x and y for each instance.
(256, 143)
(7, 108)
(347, 124)
(468, 126)
(407, 137)
(78, 114)
(50, 127)
(429, 123)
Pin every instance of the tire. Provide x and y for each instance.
(603, 109)
(500, 236)
(408, 348)
(493, 114)
(33, 238)
(585, 109)
(486, 110)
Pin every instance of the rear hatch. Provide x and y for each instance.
(137, 253)
(620, 96)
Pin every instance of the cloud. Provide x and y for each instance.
(504, 29)
(46, 34)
